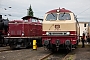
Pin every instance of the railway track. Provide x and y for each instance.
(8, 49)
(53, 57)
(5, 50)
(39, 54)
(59, 56)
(2, 49)
(56, 56)
(46, 56)
(69, 57)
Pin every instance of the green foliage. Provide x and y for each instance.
(30, 11)
(7, 19)
(70, 58)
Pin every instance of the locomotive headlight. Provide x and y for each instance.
(58, 10)
(47, 33)
(8, 34)
(22, 34)
(68, 33)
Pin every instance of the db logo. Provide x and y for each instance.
(57, 27)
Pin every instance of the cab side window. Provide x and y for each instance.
(34, 20)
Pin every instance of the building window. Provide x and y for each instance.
(85, 25)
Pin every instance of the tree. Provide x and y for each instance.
(30, 12)
(7, 19)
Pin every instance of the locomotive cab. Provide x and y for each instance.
(60, 29)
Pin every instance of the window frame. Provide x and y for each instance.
(64, 15)
(53, 17)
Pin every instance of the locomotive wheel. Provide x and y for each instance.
(2, 42)
(77, 42)
(75, 46)
(28, 45)
(12, 46)
(70, 47)
(39, 42)
(54, 49)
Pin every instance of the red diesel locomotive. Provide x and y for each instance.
(21, 33)
(60, 30)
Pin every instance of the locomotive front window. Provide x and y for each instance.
(64, 16)
(51, 16)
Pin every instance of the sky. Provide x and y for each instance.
(18, 9)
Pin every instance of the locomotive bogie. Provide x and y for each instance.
(22, 42)
(60, 41)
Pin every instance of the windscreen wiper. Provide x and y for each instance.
(53, 14)
(63, 14)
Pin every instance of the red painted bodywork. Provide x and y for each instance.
(72, 37)
(61, 10)
(17, 27)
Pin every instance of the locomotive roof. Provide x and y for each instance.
(18, 21)
(28, 17)
(61, 10)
